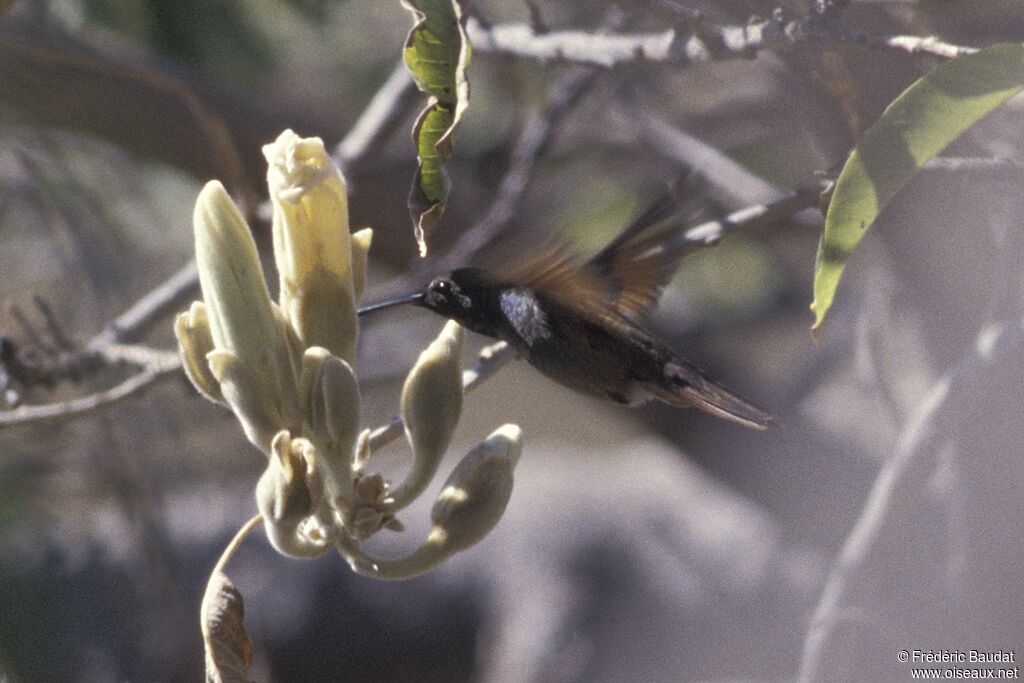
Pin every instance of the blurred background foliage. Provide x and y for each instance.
(639, 545)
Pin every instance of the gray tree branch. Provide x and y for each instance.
(726, 42)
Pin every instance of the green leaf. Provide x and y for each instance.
(437, 53)
(920, 123)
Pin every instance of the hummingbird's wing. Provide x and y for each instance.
(623, 280)
(637, 264)
(555, 274)
(668, 205)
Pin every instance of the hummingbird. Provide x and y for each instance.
(582, 323)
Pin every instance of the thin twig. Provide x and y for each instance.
(537, 22)
(53, 326)
(30, 331)
(917, 443)
(1000, 167)
(914, 45)
(750, 218)
(732, 181)
(378, 120)
(523, 40)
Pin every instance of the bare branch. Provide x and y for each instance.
(158, 364)
(914, 45)
(1000, 167)
(157, 303)
(731, 180)
(750, 218)
(522, 40)
(53, 326)
(726, 42)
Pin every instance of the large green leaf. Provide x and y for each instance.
(919, 124)
(437, 53)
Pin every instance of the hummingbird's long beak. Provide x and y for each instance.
(408, 299)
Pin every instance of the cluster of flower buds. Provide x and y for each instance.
(286, 370)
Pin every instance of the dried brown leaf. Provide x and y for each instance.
(227, 645)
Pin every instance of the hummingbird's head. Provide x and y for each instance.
(458, 293)
(466, 295)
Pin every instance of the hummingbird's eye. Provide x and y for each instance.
(444, 292)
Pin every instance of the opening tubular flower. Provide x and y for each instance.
(285, 497)
(312, 243)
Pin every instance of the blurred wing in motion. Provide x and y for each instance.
(624, 279)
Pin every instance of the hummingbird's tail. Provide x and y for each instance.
(688, 386)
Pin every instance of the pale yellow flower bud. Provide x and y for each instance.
(474, 497)
(312, 244)
(236, 296)
(192, 330)
(361, 241)
(333, 416)
(245, 390)
(431, 406)
(251, 357)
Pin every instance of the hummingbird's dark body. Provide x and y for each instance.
(581, 324)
